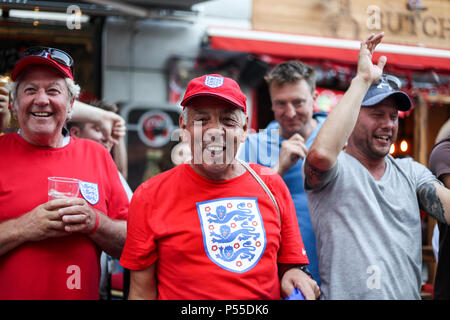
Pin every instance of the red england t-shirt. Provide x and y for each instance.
(57, 268)
(212, 239)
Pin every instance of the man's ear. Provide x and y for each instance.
(75, 131)
(70, 109)
(182, 129)
(314, 95)
(180, 122)
(245, 130)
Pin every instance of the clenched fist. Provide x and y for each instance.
(291, 151)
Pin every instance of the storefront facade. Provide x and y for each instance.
(145, 58)
(141, 55)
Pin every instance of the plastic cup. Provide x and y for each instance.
(4, 80)
(60, 187)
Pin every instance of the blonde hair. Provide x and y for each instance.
(291, 72)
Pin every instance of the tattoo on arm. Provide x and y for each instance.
(316, 178)
(429, 201)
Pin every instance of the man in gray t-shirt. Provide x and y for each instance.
(364, 204)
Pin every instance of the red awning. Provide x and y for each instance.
(340, 50)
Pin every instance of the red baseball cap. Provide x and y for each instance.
(215, 85)
(51, 57)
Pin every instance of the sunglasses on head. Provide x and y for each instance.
(55, 54)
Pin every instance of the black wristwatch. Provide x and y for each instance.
(305, 270)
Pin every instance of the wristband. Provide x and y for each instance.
(97, 220)
(305, 270)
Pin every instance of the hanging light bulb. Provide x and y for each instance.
(404, 146)
(392, 149)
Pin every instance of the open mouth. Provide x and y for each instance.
(215, 150)
(42, 114)
(383, 139)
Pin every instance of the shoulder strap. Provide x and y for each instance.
(263, 185)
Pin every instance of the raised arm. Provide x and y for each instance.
(111, 124)
(341, 121)
(120, 156)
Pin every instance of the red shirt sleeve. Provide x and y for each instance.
(140, 247)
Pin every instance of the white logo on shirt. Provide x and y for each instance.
(74, 280)
(373, 281)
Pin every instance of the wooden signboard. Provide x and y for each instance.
(422, 23)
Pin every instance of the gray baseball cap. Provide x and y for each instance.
(387, 86)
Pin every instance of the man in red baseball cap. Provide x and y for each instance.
(214, 228)
(50, 246)
(51, 57)
(55, 59)
(215, 85)
(214, 141)
(39, 124)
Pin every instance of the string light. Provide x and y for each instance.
(36, 22)
(392, 149)
(404, 146)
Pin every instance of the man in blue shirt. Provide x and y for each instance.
(285, 142)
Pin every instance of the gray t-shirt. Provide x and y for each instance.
(369, 232)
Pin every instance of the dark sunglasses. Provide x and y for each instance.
(55, 54)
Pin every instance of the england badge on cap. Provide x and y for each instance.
(213, 81)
